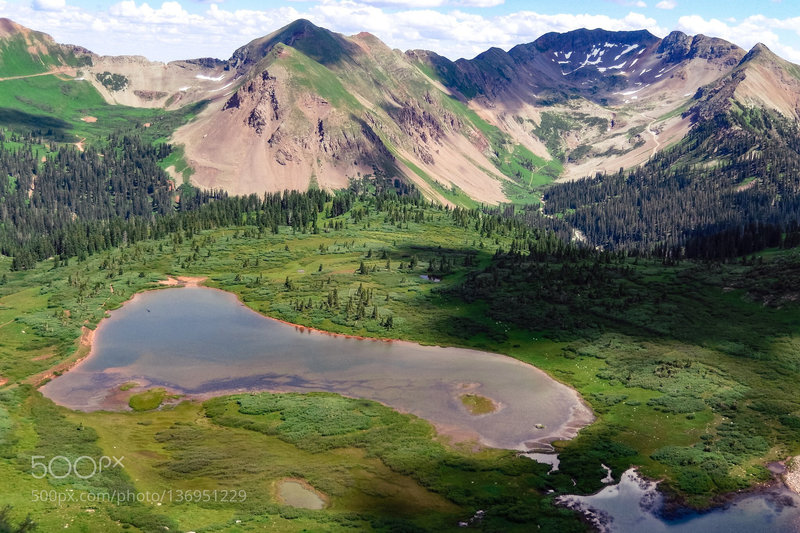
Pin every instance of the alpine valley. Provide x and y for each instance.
(618, 210)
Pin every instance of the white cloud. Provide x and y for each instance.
(169, 12)
(754, 29)
(168, 31)
(422, 4)
(629, 3)
(405, 3)
(666, 4)
(49, 5)
(478, 3)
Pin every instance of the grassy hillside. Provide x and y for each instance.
(55, 108)
(311, 75)
(17, 58)
(703, 407)
(378, 75)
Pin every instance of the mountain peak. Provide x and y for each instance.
(759, 51)
(678, 46)
(584, 37)
(675, 46)
(9, 27)
(301, 26)
(321, 45)
(716, 49)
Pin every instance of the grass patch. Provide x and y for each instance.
(477, 404)
(147, 400)
(312, 75)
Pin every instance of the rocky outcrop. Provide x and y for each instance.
(760, 79)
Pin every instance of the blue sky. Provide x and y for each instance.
(180, 29)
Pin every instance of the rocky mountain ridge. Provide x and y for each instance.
(305, 106)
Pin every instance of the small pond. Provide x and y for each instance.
(298, 494)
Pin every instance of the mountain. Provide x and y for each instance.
(24, 52)
(321, 45)
(309, 106)
(761, 79)
(305, 106)
(594, 98)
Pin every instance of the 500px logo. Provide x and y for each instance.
(83, 467)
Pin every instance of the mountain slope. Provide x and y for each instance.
(24, 52)
(304, 106)
(321, 45)
(761, 80)
(351, 108)
(595, 99)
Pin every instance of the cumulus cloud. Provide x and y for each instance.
(167, 30)
(666, 4)
(49, 5)
(746, 33)
(422, 4)
(406, 3)
(478, 3)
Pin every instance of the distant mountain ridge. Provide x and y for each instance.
(305, 106)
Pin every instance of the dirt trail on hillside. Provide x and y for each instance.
(60, 70)
(654, 135)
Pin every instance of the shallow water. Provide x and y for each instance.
(295, 494)
(633, 504)
(545, 459)
(198, 341)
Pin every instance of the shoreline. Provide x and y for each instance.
(85, 343)
(673, 507)
(791, 473)
(580, 415)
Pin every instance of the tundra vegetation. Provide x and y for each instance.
(690, 365)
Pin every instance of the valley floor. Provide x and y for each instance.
(691, 375)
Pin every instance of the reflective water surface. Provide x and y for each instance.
(201, 341)
(633, 504)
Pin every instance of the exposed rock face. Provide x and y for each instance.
(306, 103)
(759, 79)
(150, 95)
(209, 63)
(260, 95)
(597, 65)
(675, 47)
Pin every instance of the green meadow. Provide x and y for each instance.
(53, 107)
(689, 368)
